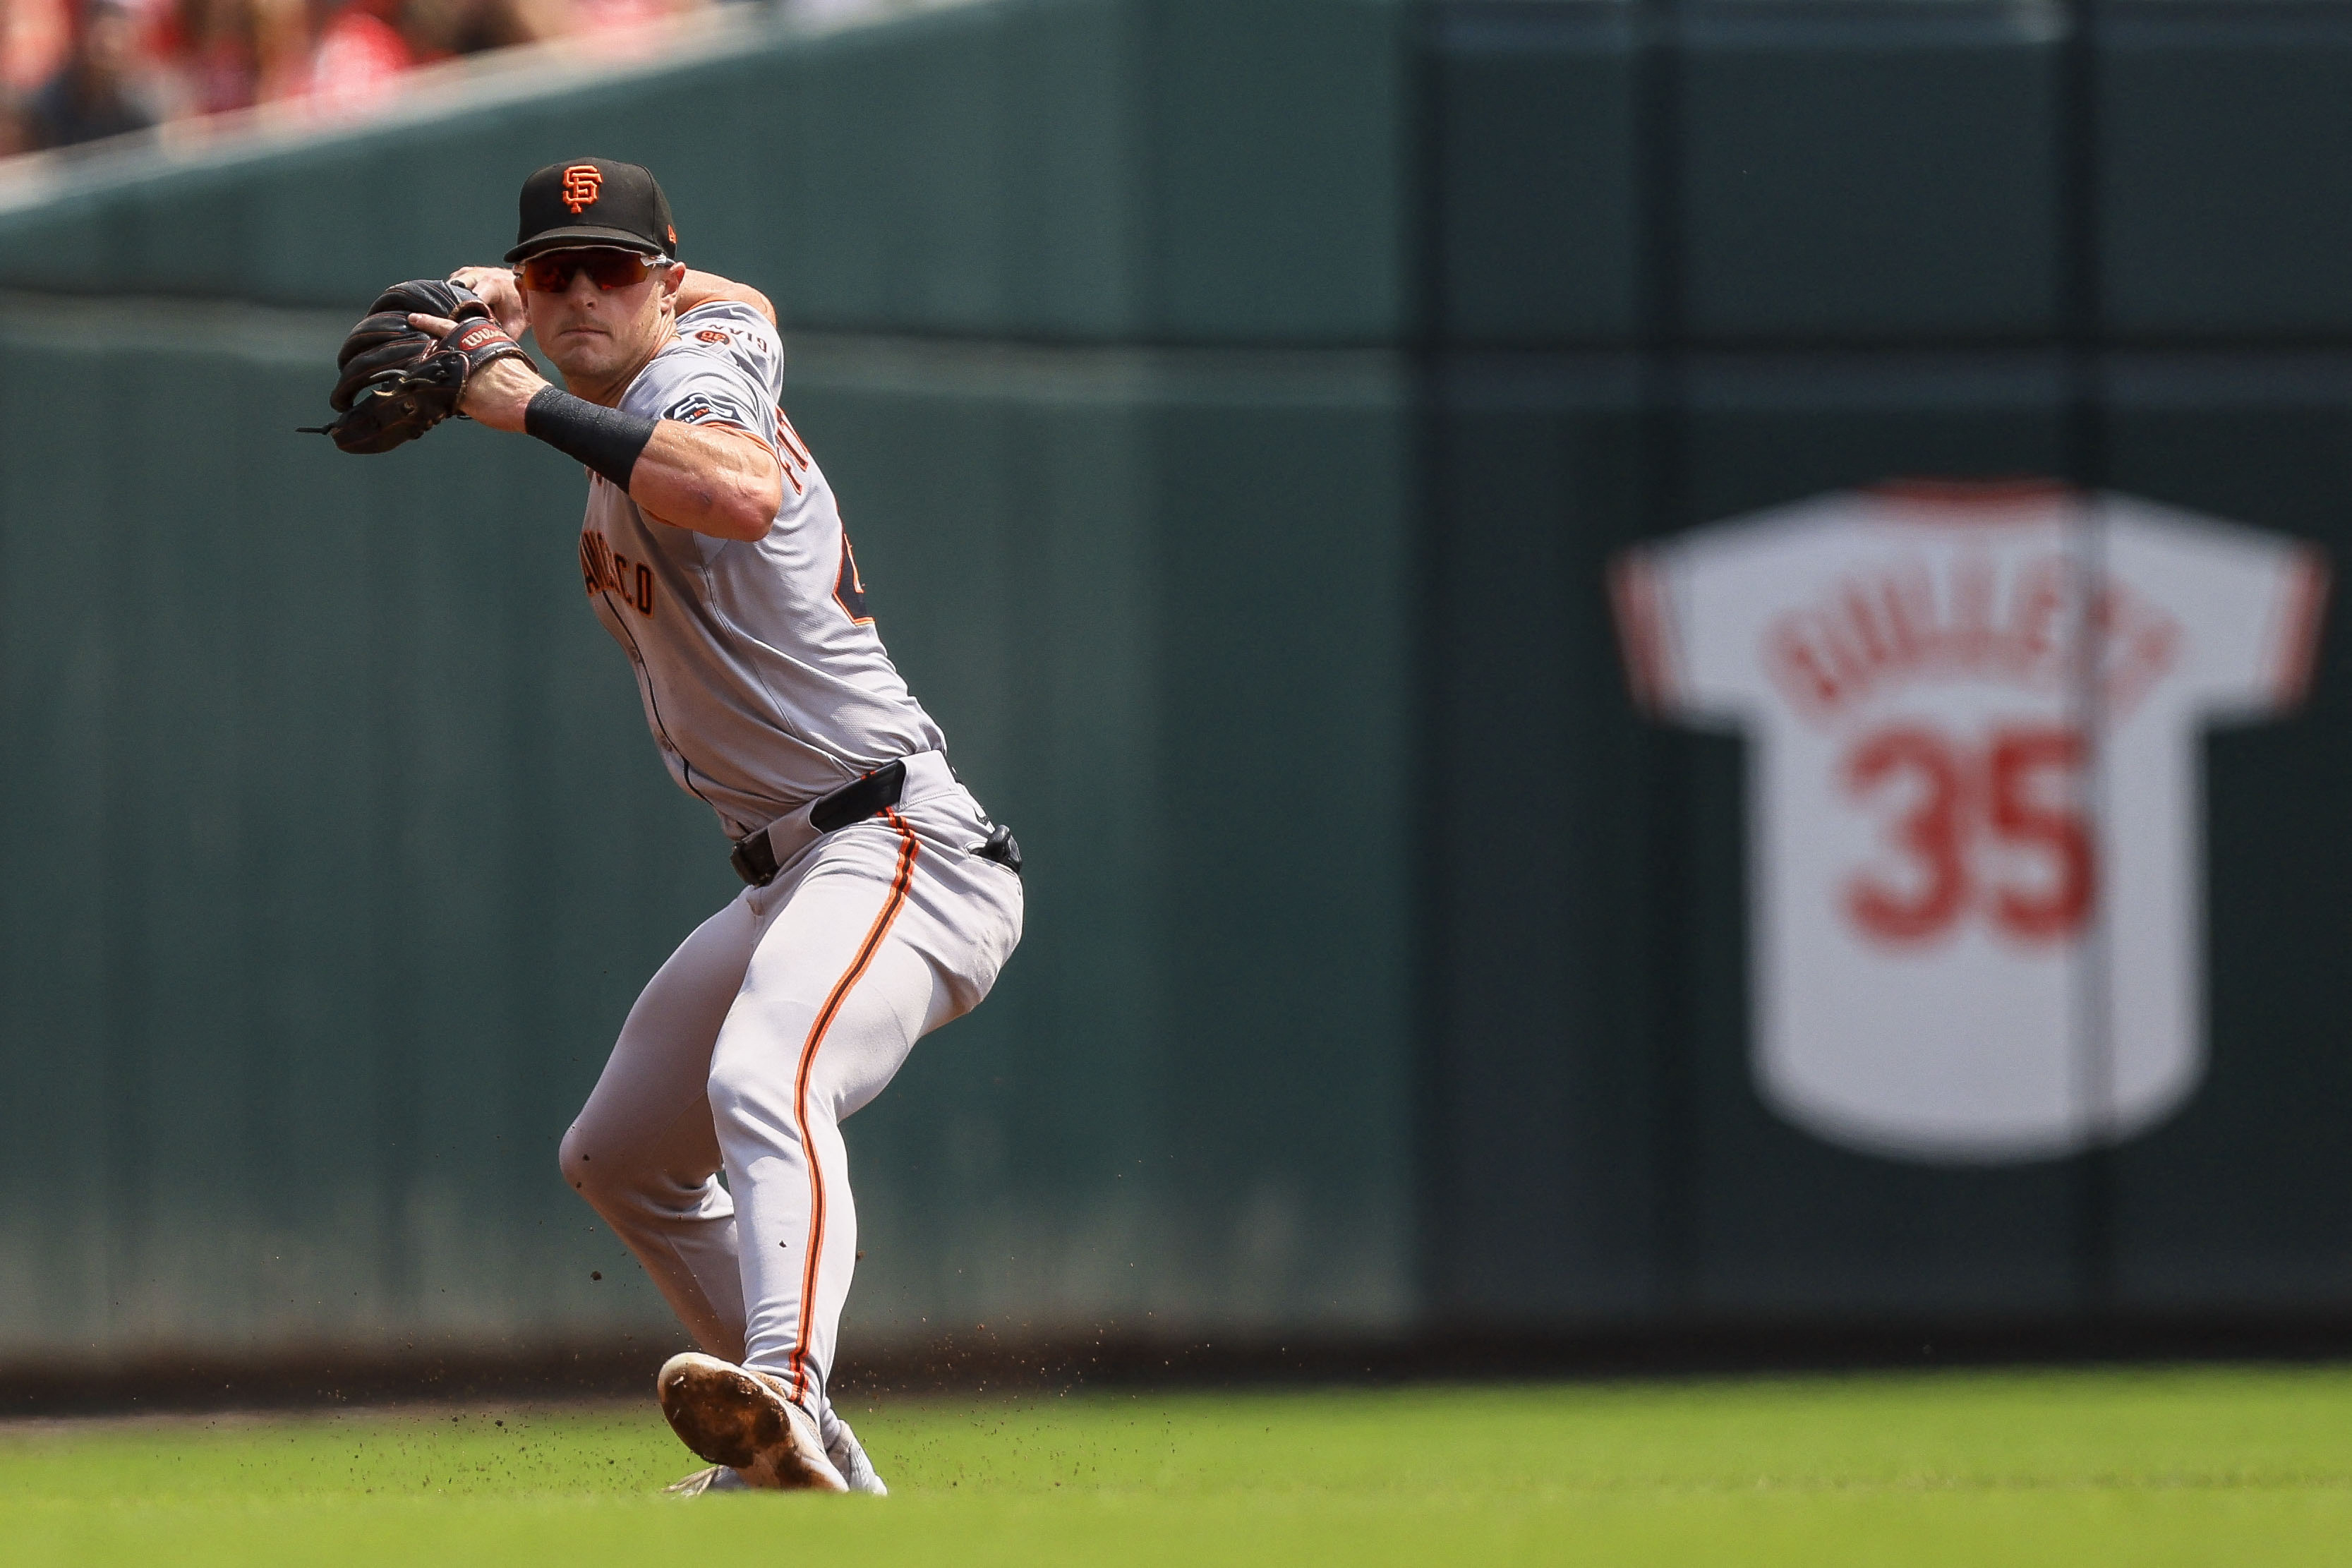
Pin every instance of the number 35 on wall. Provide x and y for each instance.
(1992, 831)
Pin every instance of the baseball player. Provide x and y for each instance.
(880, 900)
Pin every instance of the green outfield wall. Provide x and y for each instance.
(1238, 407)
(346, 850)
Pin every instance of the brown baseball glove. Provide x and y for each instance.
(395, 381)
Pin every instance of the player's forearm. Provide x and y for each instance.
(704, 287)
(718, 482)
(722, 482)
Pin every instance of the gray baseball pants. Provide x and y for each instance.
(781, 1016)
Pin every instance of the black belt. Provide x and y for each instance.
(755, 856)
(755, 859)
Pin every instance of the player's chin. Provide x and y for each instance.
(583, 354)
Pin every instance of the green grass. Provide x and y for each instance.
(2147, 1468)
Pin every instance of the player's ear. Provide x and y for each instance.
(673, 278)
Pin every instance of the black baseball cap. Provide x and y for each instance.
(594, 201)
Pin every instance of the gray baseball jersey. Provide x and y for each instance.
(764, 681)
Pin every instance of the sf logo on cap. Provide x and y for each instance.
(581, 184)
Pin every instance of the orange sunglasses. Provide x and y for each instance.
(552, 272)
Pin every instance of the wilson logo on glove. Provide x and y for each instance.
(480, 335)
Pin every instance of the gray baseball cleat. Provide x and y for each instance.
(848, 1456)
(738, 1418)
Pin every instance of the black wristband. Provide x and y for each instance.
(606, 439)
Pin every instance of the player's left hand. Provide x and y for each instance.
(496, 392)
(495, 287)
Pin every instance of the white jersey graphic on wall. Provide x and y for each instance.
(1940, 919)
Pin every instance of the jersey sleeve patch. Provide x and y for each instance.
(718, 402)
(705, 407)
(738, 334)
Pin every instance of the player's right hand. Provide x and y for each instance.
(498, 380)
(497, 287)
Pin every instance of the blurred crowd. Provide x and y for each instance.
(75, 71)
